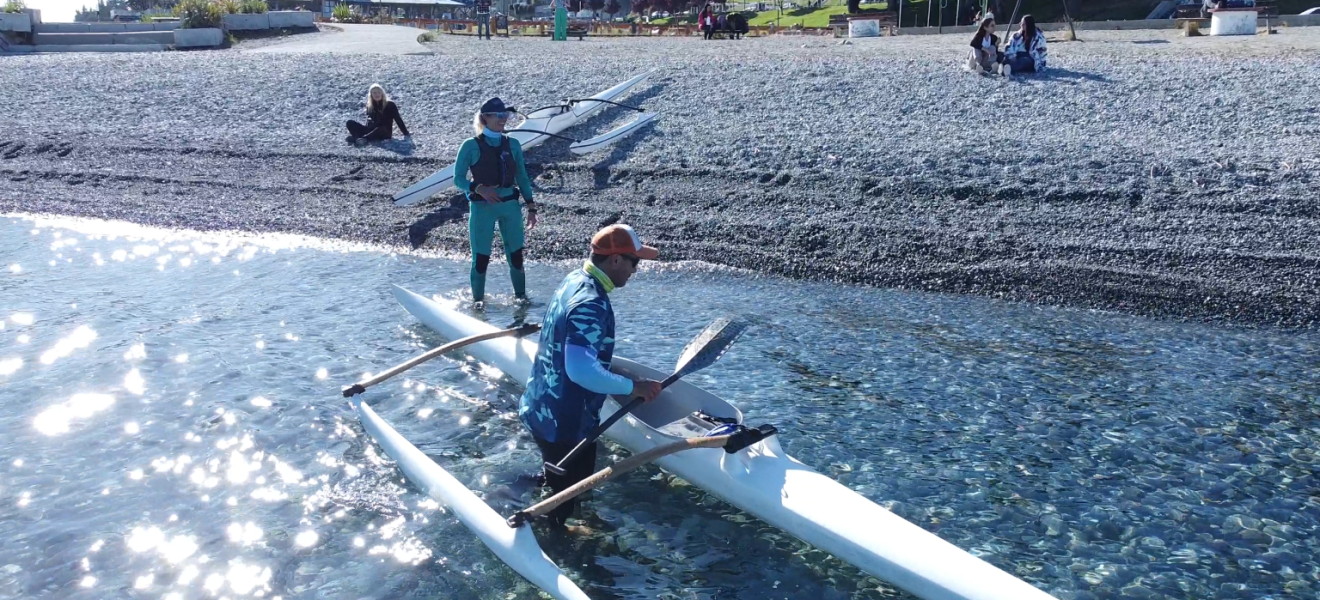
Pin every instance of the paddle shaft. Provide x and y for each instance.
(521, 331)
(731, 443)
(558, 468)
(632, 462)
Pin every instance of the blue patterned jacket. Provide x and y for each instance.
(554, 408)
(1039, 55)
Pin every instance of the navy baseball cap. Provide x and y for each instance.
(495, 105)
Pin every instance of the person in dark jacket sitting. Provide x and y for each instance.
(985, 56)
(382, 114)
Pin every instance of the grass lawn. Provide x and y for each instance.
(916, 13)
(808, 17)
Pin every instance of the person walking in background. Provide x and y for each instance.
(382, 114)
(1025, 52)
(561, 20)
(706, 22)
(973, 10)
(483, 17)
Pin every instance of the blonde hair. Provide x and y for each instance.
(478, 124)
(384, 97)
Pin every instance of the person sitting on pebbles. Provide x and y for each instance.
(382, 114)
(1025, 52)
(985, 56)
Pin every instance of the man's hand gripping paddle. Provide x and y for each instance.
(701, 352)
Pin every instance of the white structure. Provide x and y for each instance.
(863, 28)
(1233, 21)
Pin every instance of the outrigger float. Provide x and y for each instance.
(542, 124)
(751, 472)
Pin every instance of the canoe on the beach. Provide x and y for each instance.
(540, 125)
(761, 479)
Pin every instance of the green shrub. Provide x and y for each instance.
(229, 6)
(343, 14)
(198, 14)
(253, 7)
(14, 6)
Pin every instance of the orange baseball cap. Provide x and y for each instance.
(621, 239)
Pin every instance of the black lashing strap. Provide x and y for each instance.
(745, 437)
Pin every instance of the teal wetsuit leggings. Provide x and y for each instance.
(482, 218)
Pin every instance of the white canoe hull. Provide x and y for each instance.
(764, 480)
(516, 547)
(551, 120)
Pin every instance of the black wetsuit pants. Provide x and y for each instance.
(583, 466)
(370, 131)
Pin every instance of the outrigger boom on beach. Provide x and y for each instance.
(752, 472)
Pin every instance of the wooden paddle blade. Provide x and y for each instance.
(710, 345)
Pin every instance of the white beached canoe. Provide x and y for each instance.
(551, 119)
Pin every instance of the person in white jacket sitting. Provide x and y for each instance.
(1025, 52)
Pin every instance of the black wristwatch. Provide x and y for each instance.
(531, 208)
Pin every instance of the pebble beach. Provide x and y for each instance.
(1146, 173)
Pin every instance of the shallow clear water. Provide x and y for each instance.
(172, 425)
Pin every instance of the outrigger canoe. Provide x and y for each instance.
(761, 479)
(540, 125)
(516, 547)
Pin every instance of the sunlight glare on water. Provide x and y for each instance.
(134, 383)
(204, 449)
(78, 339)
(56, 420)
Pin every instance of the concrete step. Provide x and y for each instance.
(103, 27)
(88, 48)
(103, 39)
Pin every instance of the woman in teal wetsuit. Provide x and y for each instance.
(491, 172)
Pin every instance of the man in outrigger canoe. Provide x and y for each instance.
(571, 374)
(498, 178)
